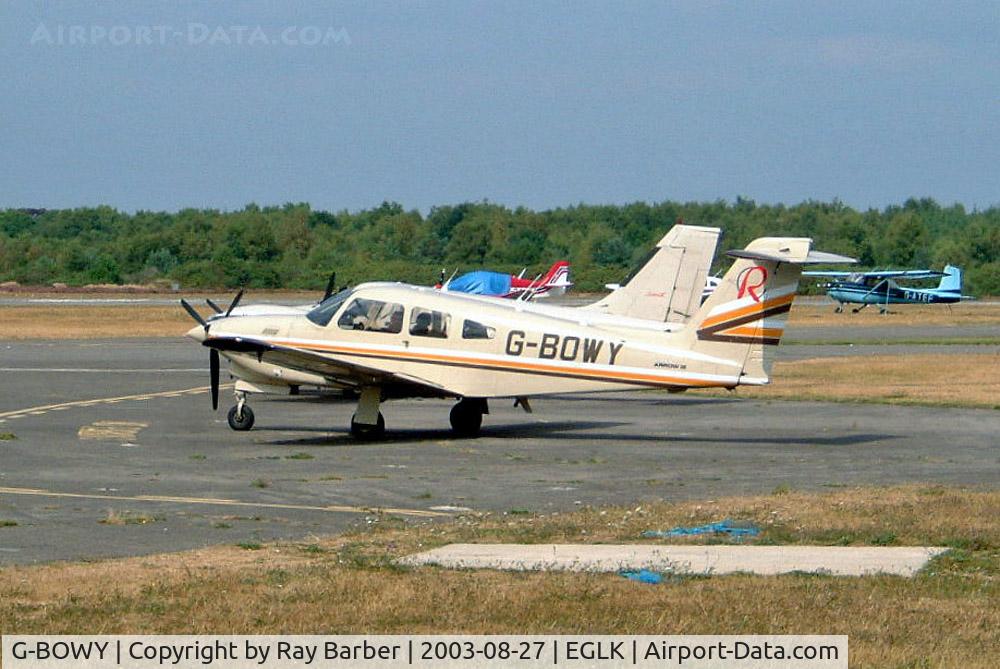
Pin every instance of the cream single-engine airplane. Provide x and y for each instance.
(392, 340)
(661, 292)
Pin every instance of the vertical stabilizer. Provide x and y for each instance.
(744, 319)
(951, 282)
(667, 285)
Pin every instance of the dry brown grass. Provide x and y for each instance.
(97, 321)
(92, 322)
(821, 314)
(49, 321)
(946, 616)
(969, 379)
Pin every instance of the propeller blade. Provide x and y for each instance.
(330, 286)
(213, 368)
(215, 307)
(194, 314)
(236, 300)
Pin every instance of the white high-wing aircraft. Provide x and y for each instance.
(389, 340)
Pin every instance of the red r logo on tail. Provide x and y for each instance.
(743, 281)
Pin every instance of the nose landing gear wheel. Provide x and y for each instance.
(368, 432)
(466, 418)
(240, 419)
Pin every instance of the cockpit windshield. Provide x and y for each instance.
(325, 310)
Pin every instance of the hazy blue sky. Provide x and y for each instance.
(540, 104)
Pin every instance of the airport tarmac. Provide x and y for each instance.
(123, 432)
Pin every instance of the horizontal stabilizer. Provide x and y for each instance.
(792, 255)
(881, 274)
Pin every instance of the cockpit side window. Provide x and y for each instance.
(324, 311)
(372, 316)
(474, 330)
(429, 323)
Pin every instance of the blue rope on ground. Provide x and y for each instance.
(723, 527)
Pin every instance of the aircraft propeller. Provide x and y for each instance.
(213, 354)
(194, 314)
(213, 371)
(330, 286)
(236, 300)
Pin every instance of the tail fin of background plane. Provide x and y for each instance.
(557, 276)
(667, 285)
(951, 282)
(741, 322)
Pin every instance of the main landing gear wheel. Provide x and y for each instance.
(466, 418)
(363, 431)
(240, 418)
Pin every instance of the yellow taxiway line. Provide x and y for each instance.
(35, 411)
(37, 492)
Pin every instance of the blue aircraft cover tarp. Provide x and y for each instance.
(481, 283)
(643, 576)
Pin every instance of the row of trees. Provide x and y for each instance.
(295, 246)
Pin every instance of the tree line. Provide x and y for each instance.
(295, 246)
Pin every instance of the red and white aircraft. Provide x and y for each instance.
(497, 284)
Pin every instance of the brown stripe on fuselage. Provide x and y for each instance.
(518, 365)
(751, 310)
(725, 325)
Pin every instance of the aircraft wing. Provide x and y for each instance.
(335, 367)
(882, 274)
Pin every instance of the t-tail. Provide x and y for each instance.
(744, 319)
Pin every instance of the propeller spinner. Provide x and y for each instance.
(213, 354)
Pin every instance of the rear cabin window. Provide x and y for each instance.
(429, 323)
(474, 330)
(372, 316)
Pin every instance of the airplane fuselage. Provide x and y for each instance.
(390, 340)
(489, 348)
(889, 293)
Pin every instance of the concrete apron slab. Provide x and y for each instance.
(692, 560)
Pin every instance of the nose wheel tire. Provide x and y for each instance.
(368, 432)
(466, 419)
(240, 419)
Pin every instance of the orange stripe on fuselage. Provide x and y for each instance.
(747, 310)
(753, 332)
(524, 365)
